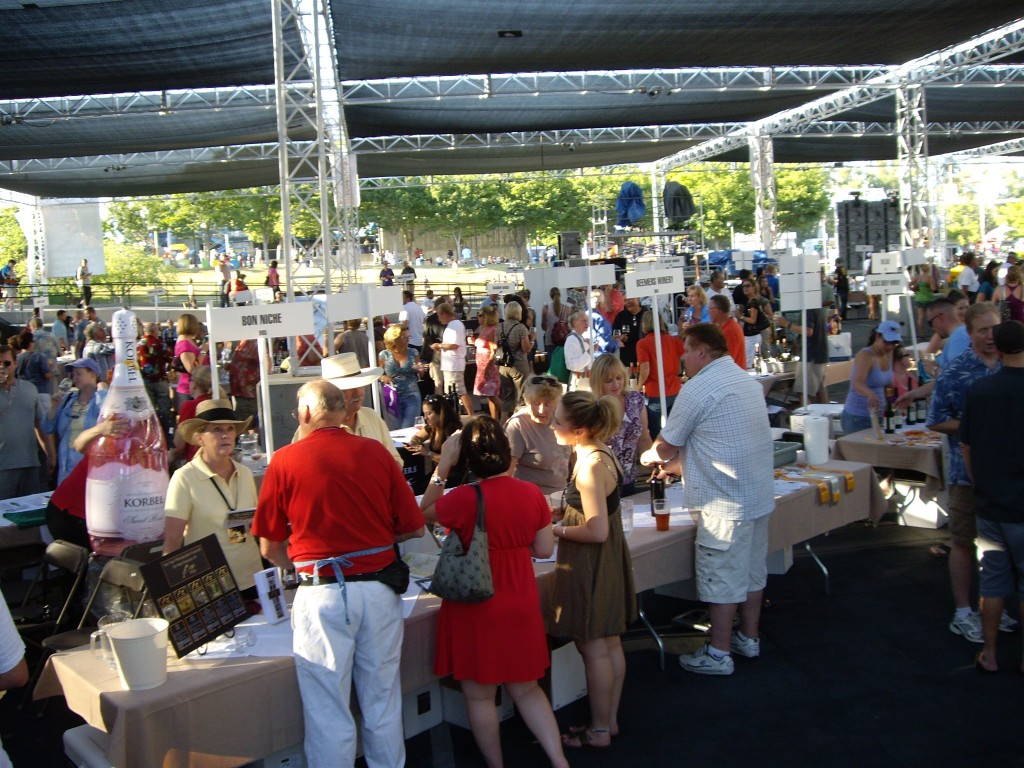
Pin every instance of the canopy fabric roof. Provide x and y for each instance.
(57, 51)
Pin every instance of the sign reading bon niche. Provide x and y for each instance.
(276, 320)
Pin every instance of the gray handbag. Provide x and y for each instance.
(465, 577)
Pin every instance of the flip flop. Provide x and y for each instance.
(577, 729)
(984, 670)
(582, 739)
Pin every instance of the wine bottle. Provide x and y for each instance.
(912, 413)
(126, 484)
(657, 486)
(889, 417)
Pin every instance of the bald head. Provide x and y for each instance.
(322, 397)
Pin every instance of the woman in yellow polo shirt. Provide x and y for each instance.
(203, 492)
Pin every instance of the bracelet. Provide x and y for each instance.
(438, 480)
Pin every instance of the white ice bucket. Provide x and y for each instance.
(140, 649)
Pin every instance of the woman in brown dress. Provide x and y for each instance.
(593, 598)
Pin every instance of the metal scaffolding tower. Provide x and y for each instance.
(912, 156)
(762, 177)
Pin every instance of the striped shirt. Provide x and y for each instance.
(720, 424)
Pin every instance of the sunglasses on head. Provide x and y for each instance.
(551, 381)
(433, 399)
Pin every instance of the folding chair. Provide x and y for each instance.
(60, 554)
(18, 557)
(119, 574)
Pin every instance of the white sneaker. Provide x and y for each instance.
(703, 663)
(1007, 623)
(968, 627)
(746, 646)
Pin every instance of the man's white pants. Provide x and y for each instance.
(330, 655)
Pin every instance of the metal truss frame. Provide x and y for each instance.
(315, 175)
(139, 103)
(654, 83)
(948, 62)
(992, 150)
(114, 163)
(912, 165)
(762, 177)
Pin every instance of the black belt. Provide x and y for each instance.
(306, 579)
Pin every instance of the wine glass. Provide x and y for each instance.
(420, 423)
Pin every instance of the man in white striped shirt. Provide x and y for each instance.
(718, 438)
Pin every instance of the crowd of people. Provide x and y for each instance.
(580, 396)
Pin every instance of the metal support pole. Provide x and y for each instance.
(762, 177)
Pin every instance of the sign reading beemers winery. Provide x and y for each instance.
(654, 282)
(271, 320)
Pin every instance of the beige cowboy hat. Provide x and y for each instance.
(211, 412)
(343, 371)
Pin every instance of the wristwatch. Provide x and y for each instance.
(438, 481)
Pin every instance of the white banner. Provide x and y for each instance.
(272, 320)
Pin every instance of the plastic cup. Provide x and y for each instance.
(140, 649)
(626, 511)
(661, 511)
(99, 642)
(555, 501)
(248, 444)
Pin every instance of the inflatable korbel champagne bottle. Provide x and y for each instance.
(127, 480)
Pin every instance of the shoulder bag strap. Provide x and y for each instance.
(480, 521)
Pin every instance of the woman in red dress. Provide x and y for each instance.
(501, 640)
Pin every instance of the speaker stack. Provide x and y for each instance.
(860, 223)
(569, 245)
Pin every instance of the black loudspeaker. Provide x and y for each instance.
(569, 245)
(861, 223)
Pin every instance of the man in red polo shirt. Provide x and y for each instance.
(334, 505)
(718, 311)
(650, 382)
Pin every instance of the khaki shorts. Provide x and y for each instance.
(456, 379)
(730, 558)
(963, 527)
(815, 377)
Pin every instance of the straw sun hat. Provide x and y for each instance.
(211, 412)
(343, 371)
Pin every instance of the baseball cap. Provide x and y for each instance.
(1009, 337)
(890, 331)
(83, 362)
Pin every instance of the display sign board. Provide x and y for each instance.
(884, 285)
(743, 259)
(501, 288)
(654, 282)
(263, 295)
(154, 292)
(914, 256)
(888, 263)
(196, 592)
(800, 283)
(541, 281)
(271, 320)
(40, 301)
(362, 300)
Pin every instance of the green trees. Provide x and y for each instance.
(13, 244)
(129, 267)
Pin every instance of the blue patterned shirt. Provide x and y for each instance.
(948, 403)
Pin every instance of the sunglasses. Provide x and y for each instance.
(551, 381)
(433, 399)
